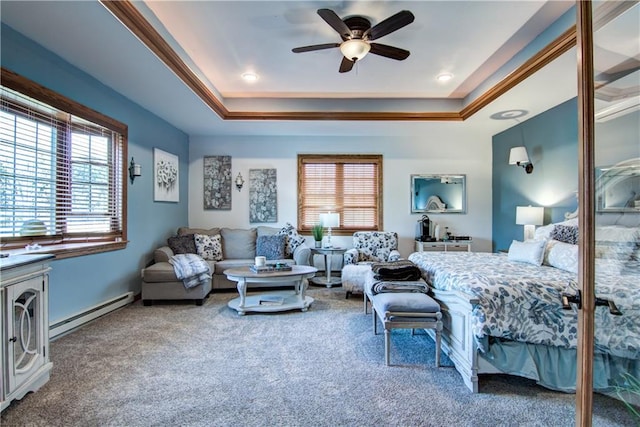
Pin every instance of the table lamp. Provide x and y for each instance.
(329, 220)
(529, 216)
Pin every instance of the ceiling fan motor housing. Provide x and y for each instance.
(358, 26)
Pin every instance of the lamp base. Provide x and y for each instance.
(529, 232)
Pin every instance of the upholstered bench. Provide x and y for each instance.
(406, 310)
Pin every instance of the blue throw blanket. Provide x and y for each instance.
(191, 269)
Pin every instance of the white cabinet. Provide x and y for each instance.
(24, 325)
(448, 246)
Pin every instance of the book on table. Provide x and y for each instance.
(269, 268)
(271, 300)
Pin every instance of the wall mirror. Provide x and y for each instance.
(438, 193)
(618, 187)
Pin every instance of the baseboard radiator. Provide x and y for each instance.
(92, 313)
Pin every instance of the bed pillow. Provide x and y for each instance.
(562, 255)
(531, 251)
(544, 232)
(293, 239)
(182, 244)
(565, 234)
(209, 247)
(271, 247)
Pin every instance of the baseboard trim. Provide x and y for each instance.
(75, 321)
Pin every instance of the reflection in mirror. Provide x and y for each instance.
(438, 193)
(618, 187)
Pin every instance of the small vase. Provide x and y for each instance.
(318, 243)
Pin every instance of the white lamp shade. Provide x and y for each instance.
(518, 155)
(355, 48)
(529, 215)
(330, 220)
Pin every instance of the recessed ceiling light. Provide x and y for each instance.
(509, 114)
(250, 77)
(444, 77)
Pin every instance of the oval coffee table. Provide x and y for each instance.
(271, 301)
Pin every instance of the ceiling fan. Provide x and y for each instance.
(357, 34)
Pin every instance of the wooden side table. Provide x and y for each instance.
(328, 280)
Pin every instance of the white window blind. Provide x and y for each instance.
(350, 185)
(61, 176)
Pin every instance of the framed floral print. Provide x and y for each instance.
(263, 195)
(217, 183)
(166, 186)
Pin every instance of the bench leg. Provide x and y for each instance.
(375, 321)
(437, 348)
(387, 346)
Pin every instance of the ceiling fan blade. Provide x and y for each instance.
(346, 65)
(391, 24)
(315, 47)
(389, 51)
(336, 23)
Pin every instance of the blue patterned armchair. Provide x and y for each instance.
(373, 246)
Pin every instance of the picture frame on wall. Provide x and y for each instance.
(263, 195)
(166, 185)
(217, 183)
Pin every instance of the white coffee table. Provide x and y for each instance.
(271, 301)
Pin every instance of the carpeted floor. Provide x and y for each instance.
(183, 365)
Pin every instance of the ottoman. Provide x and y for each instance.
(354, 277)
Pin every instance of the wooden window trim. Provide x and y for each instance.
(78, 246)
(346, 159)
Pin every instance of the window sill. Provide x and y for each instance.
(70, 250)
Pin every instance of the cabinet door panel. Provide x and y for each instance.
(24, 330)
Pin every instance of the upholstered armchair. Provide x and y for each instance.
(373, 246)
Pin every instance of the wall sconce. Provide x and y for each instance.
(239, 181)
(529, 216)
(134, 170)
(518, 156)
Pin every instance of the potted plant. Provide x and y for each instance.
(317, 232)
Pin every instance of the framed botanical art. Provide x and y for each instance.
(166, 186)
(217, 183)
(263, 195)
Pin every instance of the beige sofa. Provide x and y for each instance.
(159, 281)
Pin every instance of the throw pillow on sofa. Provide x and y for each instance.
(239, 243)
(182, 244)
(271, 247)
(209, 247)
(292, 241)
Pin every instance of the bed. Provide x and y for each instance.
(503, 312)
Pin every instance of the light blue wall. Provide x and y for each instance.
(551, 139)
(81, 282)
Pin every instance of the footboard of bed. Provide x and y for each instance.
(457, 336)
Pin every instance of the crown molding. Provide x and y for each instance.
(131, 18)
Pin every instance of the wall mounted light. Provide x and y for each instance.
(239, 181)
(529, 216)
(134, 170)
(518, 156)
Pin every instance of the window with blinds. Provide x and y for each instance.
(350, 185)
(61, 174)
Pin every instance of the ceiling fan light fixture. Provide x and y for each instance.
(355, 49)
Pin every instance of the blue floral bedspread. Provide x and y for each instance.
(522, 302)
